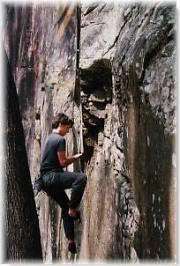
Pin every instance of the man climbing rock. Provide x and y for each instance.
(56, 180)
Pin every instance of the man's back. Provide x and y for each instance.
(49, 161)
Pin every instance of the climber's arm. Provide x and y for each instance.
(64, 160)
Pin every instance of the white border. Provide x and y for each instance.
(51, 2)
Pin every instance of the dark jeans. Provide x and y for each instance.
(55, 183)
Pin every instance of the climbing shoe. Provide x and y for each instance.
(72, 247)
(76, 216)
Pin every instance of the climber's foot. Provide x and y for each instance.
(75, 214)
(72, 247)
(72, 212)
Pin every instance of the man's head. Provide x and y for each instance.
(62, 123)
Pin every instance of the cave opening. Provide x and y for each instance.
(96, 93)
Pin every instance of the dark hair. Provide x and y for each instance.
(63, 119)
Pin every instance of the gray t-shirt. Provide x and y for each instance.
(49, 161)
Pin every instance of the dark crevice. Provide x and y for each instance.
(38, 116)
(77, 96)
(96, 93)
(97, 76)
(90, 9)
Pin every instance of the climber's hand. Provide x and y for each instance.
(77, 156)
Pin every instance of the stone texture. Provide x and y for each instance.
(142, 60)
(44, 66)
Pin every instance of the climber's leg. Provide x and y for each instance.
(62, 199)
(76, 181)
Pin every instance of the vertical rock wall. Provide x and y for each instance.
(41, 44)
(150, 101)
(142, 58)
(126, 114)
(111, 215)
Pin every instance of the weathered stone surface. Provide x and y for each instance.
(99, 30)
(43, 59)
(126, 114)
(143, 100)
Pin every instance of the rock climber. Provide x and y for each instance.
(55, 179)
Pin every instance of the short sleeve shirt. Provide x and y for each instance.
(49, 160)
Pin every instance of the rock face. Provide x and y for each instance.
(45, 68)
(138, 127)
(21, 225)
(120, 90)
